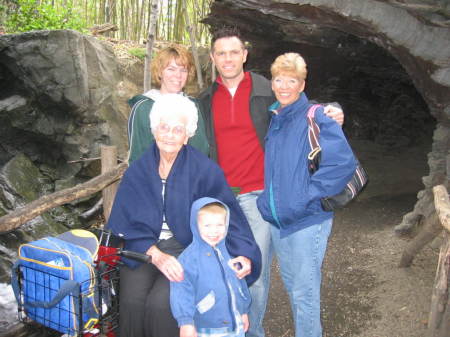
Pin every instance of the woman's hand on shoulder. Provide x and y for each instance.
(335, 113)
(167, 264)
(241, 265)
(188, 330)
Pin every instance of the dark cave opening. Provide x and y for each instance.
(387, 120)
(380, 101)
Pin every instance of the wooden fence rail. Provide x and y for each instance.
(20, 216)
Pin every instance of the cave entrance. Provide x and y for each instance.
(387, 121)
(390, 127)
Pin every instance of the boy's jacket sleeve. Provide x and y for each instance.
(182, 298)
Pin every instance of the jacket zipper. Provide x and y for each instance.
(272, 203)
(232, 108)
(230, 304)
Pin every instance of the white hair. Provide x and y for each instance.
(170, 103)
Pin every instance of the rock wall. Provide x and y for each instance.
(62, 96)
(60, 93)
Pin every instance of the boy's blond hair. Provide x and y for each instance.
(213, 208)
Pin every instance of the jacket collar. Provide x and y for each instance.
(245, 81)
(299, 106)
(260, 86)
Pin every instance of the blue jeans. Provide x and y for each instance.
(300, 256)
(260, 289)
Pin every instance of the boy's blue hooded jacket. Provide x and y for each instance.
(137, 212)
(210, 296)
(291, 197)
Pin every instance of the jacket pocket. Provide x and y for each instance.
(207, 302)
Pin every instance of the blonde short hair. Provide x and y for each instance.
(175, 52)
(171, 103)
(215, 208)
(291, 64)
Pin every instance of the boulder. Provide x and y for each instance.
(61, 98)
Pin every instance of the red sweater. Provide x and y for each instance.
(239, 152)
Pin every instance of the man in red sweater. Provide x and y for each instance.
(235, 110)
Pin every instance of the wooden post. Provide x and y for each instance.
(109, 161)
(439, 318)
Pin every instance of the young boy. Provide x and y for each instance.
(211, 300)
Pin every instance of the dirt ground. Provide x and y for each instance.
(364, 293)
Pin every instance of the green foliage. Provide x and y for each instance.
(34, 15)
(132, 17)
(138, 52)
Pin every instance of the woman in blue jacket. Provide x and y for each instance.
(291, 198)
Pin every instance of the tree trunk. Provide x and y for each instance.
(192, 35)
(439, 319)
(95, 16)
(122, 29)
(169, 35)
(13, 220)
(150, 42)
(141, 21)
(127, 25)
(137, 23)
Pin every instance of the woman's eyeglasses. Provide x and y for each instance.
(177, 130)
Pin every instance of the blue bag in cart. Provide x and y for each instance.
(55, 283)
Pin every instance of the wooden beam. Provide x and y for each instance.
(430, 230)
(20, 216)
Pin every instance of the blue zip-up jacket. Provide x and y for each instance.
(291, 197)
(210, 297)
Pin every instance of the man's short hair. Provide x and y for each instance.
(226, 31)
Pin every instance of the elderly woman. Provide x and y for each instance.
(171, 69)
(291, 198)
(151, 213)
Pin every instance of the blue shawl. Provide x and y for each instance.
(137, 211)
